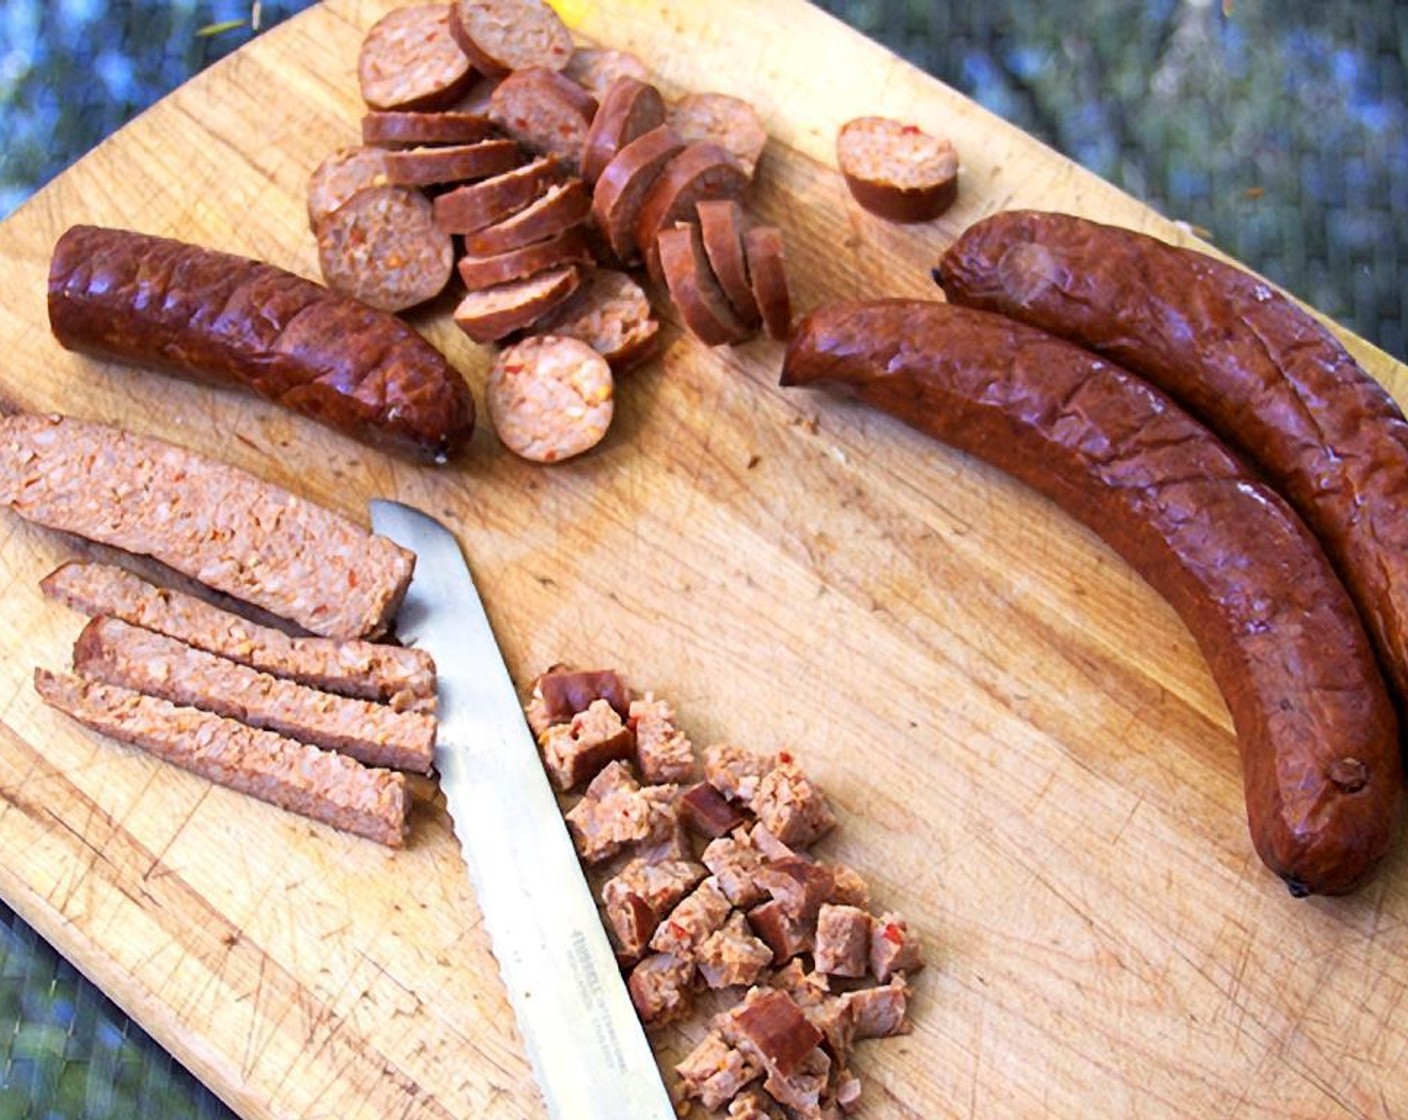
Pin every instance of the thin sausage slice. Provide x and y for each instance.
(568, 247)
(319, 784)
(340, 176)
(1316, 731)
(400, 676)
(722, 119)
(895, 170)
(767, 274)
(722, 224)
(217, 317)
(596, 68)
(545, 112)
(213, 522)
(410, 60)
(406, 130)
(502, 35)
(550, 398)
(559, 208)
(424, 167)
(472, 207)
(701, 302)
(630, 108)
(495, 313)
(700, 172)
(1243, 358)
(611, 313)
(624, 184)
(382, 246)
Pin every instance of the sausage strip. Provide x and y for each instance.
(234, 321)
(213, 522)
(1317, 734)
(399, 676)
(116, 653)
(320, 784)
(1245, 360)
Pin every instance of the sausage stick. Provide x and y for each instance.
(1245, 360)
(1317, 734)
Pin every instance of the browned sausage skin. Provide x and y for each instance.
(1317, 734)
(234, 321)
(1248, 362)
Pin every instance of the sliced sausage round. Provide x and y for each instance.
(383, 247)
(503, 35)
(611, 313)
(767, 273)
(895, 170)
(621, 191)
(550, 398)
(470, 208)
(397, 129)
(545, 112)
(722, 119)
(568, 247)
(596, 68)
(722, 225)
(701, 302)
(340, 176)
(410, 60)
(630, 108)
(497, 312)
(559, 208)
(700, 172)
(423, 167)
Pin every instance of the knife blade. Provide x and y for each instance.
(589, 1053)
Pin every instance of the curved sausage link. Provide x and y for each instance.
(1317, 734)
(1245, 360)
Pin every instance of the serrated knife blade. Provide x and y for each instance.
(588, 1050)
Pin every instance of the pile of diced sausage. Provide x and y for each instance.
(707, 882)
(543, 175)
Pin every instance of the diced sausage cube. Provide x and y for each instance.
(575, 752)
(769, 1027)
(613, 812)
(792, 808)
(771, 847)
(811, 991)
(665, 837)
(799, 885)
(848, 889)
(640, 895)
(688, 925)
(784, 935)
(733, 771)
(735, 862)
(847, 1090)
(877, 1012)
(842, 941)
(714, 1071)
(659, 987)
(663, 752)
(732, 955)
(801, 1090)
(560, 693)
(704, 810)
(893, 948)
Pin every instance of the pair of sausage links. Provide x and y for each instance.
(164, 303)
(206, 519)
(1252, 365)
(410, 60)
(1316, 731)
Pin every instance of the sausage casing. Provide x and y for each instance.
(1317, 734)
(1245, 360)
(234, 321)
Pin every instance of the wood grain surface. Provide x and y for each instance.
(1026, 751)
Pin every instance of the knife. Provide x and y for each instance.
(588, 1050)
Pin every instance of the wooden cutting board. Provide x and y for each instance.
(1026, 751)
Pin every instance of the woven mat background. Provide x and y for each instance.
(1279, 130)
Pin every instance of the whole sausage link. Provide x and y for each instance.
(1317, 734)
